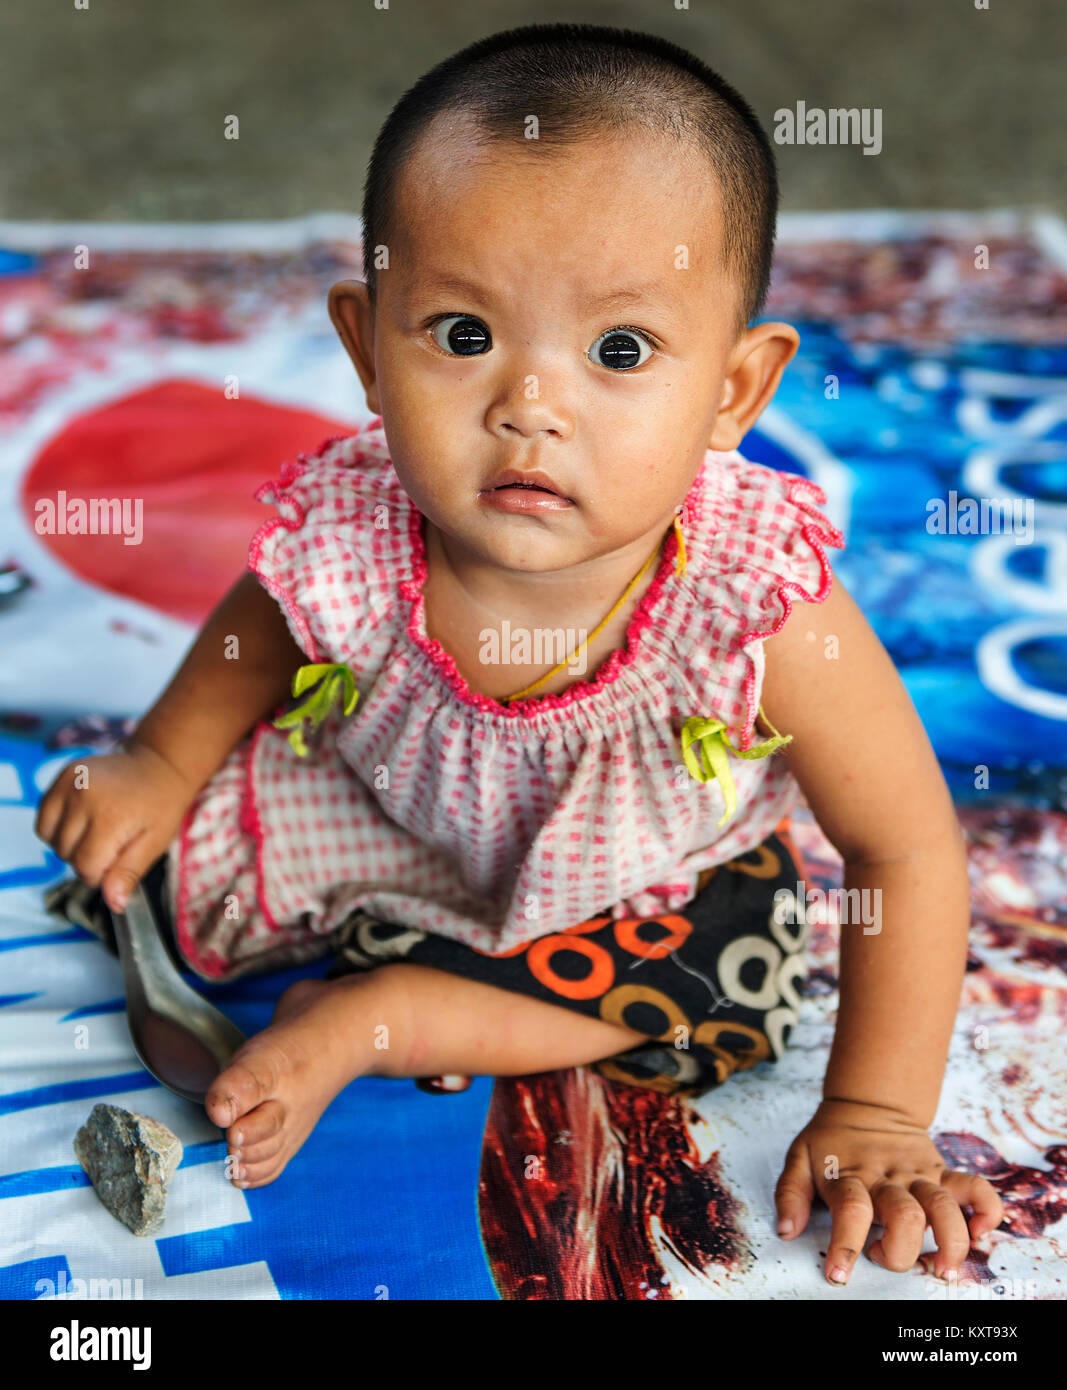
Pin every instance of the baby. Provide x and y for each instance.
(526, 856)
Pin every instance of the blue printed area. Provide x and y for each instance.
(976, 624)
(94, 1090)
(106, 1006)
(381, 1197)
(23, 763)
(31, 1278)
(380, 1202)
(16, 262)
(384, 1194)
(363, 1177)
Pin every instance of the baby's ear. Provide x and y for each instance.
(756, 366)
(352, 315)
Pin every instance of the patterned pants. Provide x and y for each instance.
(714, 986)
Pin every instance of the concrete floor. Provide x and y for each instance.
(116, 111)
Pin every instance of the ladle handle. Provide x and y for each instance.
(146, 967)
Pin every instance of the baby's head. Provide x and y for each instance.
(567, 230)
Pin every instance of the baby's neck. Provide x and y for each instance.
(548, 598)
(461, 608)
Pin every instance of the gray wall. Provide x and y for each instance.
(116, 112)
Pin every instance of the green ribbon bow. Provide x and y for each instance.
(334, 678)
(709, 737)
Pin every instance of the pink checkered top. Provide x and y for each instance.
(442, 809)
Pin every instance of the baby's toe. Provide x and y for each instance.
(258, 1134)
(260, 1174)
(237, 1089)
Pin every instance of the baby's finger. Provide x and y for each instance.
(48, 815)
(972, 1191)
(947, 1222)
(851, 1210)
(130, 866)
(904, 1223)
(71, 830)
(98, 849)
(794, 1192)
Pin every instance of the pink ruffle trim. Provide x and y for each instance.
(819, 532)
(291, 472)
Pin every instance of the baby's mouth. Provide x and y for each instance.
(526, 480)
(520, 495)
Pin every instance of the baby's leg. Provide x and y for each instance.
(398, 1020)
(452, 1025)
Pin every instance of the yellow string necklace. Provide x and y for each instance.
(679, 568)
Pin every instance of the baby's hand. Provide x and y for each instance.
(888, 1171)
(113, 819)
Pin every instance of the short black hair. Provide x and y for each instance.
(581, 80)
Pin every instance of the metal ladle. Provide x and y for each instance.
(182, 1039)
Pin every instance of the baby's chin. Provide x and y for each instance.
(527, 542)
(522, 542)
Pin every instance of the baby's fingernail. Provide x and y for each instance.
(119, 899)
(838, 1275)
(785, 1227)
(239, 1137)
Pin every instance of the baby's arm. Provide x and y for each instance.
(114, 815)
(872, 780)
(224, 686)
(870, 776)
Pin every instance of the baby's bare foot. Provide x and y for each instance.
(276, 1086)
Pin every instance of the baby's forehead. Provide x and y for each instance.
(618, 197)
(453, 145)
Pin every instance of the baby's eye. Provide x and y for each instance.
(466, 338)
(619, 348)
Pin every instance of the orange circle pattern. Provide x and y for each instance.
(626, 935)
(599, 979)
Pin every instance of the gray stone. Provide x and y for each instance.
(130, 1160)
